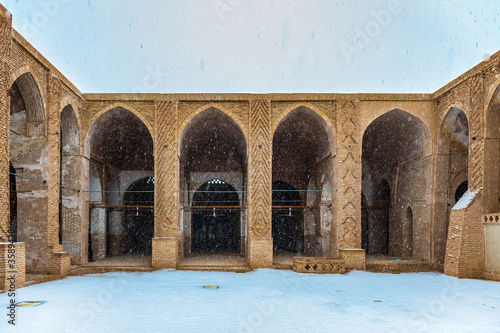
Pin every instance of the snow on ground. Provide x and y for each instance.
(259, 301)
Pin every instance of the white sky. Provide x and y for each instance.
(226, 46)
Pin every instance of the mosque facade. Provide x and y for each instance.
(322, 183)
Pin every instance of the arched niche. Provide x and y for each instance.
(28, 150)
(71, 231)
(395, 155)
(304, 156)
(119, 147)
(451, 170)
(211, 146)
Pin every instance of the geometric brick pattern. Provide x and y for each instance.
(260, 163)
(349, 177)
(166, 170)
(476, 135)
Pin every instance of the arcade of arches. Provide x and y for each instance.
(249, 180)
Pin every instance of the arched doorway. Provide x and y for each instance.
(213, 178)
(139, 217)
(119, 151)
(288, 218)
(304, 162)
(395, 154)
(215, 225)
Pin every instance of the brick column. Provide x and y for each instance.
(260, 242)
(166, 241)
(5, 46)
(58, 261)
(53, 136)
(349, 143)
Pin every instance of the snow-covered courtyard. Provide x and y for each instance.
(259, 301)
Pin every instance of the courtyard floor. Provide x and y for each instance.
(259, 301)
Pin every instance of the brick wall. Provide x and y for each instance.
(5, 42)
(12, 264)
(465, 245)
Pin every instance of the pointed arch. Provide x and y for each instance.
(406, 117)
(214, 118)
(455, 121)
(70, 101)
(70, 129)
(212, 145)
(99, 121)
(298, 106)
(218, 106)
(121, 105)
(27, 69)
(28, 87)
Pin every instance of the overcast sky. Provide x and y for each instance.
(226, 46)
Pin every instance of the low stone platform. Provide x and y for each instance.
(387, 264)
(122, 263)
(214, 262)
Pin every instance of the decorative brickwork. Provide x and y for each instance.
(166, 171)
(166, 241)
(476, 132)
(318, 265)
(260, 177)
(260, 163)
(349, 176)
